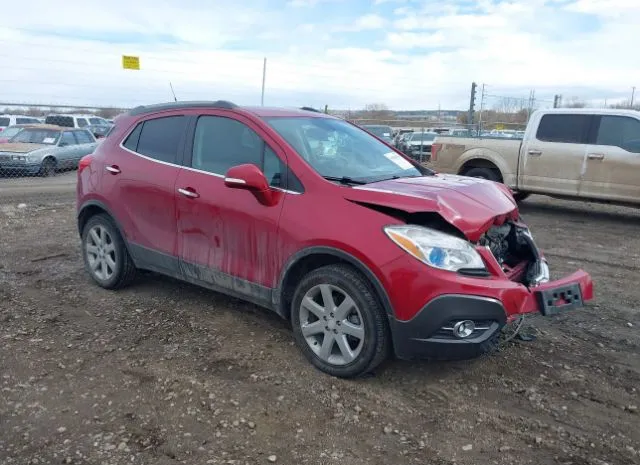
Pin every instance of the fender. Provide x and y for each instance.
(508, 174)
(295, 258)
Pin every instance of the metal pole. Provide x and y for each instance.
(481, 110)
(264, 78)
(633, 94)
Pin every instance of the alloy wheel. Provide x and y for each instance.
(101, 253)
(331, 324)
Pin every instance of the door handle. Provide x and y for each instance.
(187, 192)
(535, 153)
(113, 169)
(595, 156)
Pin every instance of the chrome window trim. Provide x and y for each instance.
(222, 176)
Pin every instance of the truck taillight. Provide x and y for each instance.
(435, 148)
(84, 163)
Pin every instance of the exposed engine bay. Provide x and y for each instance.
(513, 248)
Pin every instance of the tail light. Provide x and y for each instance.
(435, 148)
(84, 163)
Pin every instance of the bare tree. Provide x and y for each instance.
(378, 111)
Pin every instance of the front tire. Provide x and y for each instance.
(48, 167)
(338, 322)
(105, 255)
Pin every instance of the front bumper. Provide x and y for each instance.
(489, 301)
(19, 168)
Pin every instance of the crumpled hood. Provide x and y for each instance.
(21, 147)
(472, 205)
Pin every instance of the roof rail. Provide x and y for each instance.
(143, 109)
(310, 109)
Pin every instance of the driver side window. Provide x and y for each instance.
(221, 143)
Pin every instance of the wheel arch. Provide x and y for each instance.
(315, 257)
(482, 158)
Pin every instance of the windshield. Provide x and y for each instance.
(423, 136)
(10, 132)
(335, 148)
(37, 136)
(380, 131)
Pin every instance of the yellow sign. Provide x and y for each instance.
(129, 62)
(500, 127)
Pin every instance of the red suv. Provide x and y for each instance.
(365, 251)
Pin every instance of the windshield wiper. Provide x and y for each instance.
(345, 180)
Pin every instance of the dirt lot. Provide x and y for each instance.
(165, 373)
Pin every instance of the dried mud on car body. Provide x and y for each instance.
(164, 372)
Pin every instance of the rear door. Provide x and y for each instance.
(553, 159)
(613, 161)
(67, 149)
(140, 181)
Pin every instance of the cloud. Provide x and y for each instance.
(408, 54)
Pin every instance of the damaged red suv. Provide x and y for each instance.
(366, 252)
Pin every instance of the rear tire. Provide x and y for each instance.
(347, 340)
(105, 254)
(520, 196)
(483, 173)
(48, 167)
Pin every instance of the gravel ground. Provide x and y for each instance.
(166, 373)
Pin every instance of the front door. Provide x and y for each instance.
(613, 161)
(552, 160)
(226, 238)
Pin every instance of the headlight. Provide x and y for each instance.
(18, 158)
(435, 248)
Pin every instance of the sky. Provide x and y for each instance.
(406, 54)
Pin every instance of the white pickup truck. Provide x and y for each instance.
(589, 154)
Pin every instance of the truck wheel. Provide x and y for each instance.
(483, 173)
(520, 196)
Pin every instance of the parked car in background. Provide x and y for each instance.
(399, 134)
(11, 131)
(418, 145)
(12, 120)
(381, 131)
(76, 121)
(99, 131)
(586, 153)
(393, 259)
(45, 149)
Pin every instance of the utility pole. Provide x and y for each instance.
(633, 94)
(481, 109)
(557, 99)
(472, 103)
(264, 77)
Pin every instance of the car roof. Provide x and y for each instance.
(259, 111)
(38, 126)
(593, 111)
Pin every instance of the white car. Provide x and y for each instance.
(12, 120)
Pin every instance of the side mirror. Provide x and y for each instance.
(249, 177)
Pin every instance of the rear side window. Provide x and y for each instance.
(26, 121)
(160, 138)
(60, 120)
(619, 131)
(131, 142)
(570, 129)
(83, 137)
(4, 121)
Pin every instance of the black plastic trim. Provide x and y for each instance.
(413, 338)
(186, 105)
(379, 288)
(215, 280)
